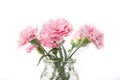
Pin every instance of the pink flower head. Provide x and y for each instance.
(92, 33)
(26, 35)
(30, 48)
(54, 31)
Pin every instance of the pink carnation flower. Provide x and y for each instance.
(54, 31)
(26, 35)
(92, 33)
(47, 41)
(30, 47)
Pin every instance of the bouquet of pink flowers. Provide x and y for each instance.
(52, 35)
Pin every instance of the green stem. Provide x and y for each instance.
(46, 53)
(60, 52)
(73, 52)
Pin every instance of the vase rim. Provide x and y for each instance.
(69, 61)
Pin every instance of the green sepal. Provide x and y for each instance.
(54, 51)
(85, 41)
(78, 41)
(36, 42)
(72, 42)
(40, 50)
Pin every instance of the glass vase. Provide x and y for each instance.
(59, 70)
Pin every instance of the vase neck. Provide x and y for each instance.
(58, 64)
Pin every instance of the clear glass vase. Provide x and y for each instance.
(59, 70)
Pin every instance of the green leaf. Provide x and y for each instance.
(53, 53)
(51, 57)
(85, 41)
(41, 59)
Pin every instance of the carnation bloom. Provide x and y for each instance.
(26, 35)
(54, 31)
(92, 33)
(29, 48)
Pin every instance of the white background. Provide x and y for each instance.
(92, 64)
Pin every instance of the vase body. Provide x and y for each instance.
(59, 70)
